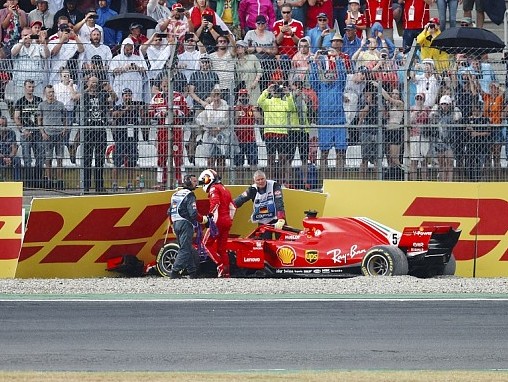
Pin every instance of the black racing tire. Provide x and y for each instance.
(384, 260)
(450, 267)
(166, 258)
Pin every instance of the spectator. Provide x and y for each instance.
(128, 70)
(263, 45)
(218, 137)
(70, 11)
(380, 11)
(41, 13)
(158, 51)
(316, 8)
(467, 6)
(248, 71)
(267, 201)
(442, 5)
(111, 36)
(66, 91)
(288, 32)
(484, 72)
(493, 102)
(208, 31)
(328, 79)
(64, 48)
(416, 16)
(25, 117)
(12, 20)
(356, 18)
(189, 60)
(196, 18)
(300, 61)
(176, 25)
(184, 217)
(419, 138)
(377, 32)
(298, 134)
(246, 117)
(85, 27)
(425, 38)
(337, 43)
(394, 133)
(276, 104)
(249, 10)
(53, 127)
(159, 110)
(427, 82)
(97, 99)
(201, 85)
(445, 116)
(159, 11)
(351, 42)
(9, 151)
(368, 54)
(368, 121)
(136, 36)
(320, 36)
(385, 71)
(299, 10)
(96, 48)
(478, 144)
(223, 63)
(127, 116)
(222, 210)
(28, 62)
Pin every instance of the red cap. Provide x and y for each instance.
(243, 91)
(177, 6)
(434, 20)
(35, 22)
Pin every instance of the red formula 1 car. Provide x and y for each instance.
(336, 246)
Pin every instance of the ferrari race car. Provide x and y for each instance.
(334, 247)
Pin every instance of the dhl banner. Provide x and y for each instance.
(480, 210)
(74, 237)
(11, 227)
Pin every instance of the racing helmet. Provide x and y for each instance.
(207, 178)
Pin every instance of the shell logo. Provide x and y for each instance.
(286, 255)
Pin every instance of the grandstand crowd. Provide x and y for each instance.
(214, 83)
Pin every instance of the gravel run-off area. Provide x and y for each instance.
(399, 285)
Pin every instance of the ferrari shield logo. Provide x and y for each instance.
(311, 256)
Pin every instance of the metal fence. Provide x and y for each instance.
(389, 116)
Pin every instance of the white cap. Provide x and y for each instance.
(446, 99)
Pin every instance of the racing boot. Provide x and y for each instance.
(175, 275)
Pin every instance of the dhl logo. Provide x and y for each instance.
(486, 233)
(100, 234)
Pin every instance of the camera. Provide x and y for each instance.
(34, 37)
(432, 25)
(162, 35)
(95, 17)
(189, 36)
(180, 10)
(384, 56)
(208, 18)
(285, 22)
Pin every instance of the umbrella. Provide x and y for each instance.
(123, 21)
(468, 40)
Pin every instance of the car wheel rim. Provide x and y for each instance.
(168, 260)
(377, 265)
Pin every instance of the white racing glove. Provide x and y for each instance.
(205, 220)
(280, 223)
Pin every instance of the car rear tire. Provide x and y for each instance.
(384, 260)
(450, 267)
(166, 258)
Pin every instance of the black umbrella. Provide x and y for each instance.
(123, 21)
(468, 40)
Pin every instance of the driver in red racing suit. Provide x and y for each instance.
(222, 211)
(159, 110)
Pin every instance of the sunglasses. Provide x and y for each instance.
(261, 23)
(322, 19)
(285, 12)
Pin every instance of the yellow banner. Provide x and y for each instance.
(11, 227)
(75, 236)
(480, 210)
